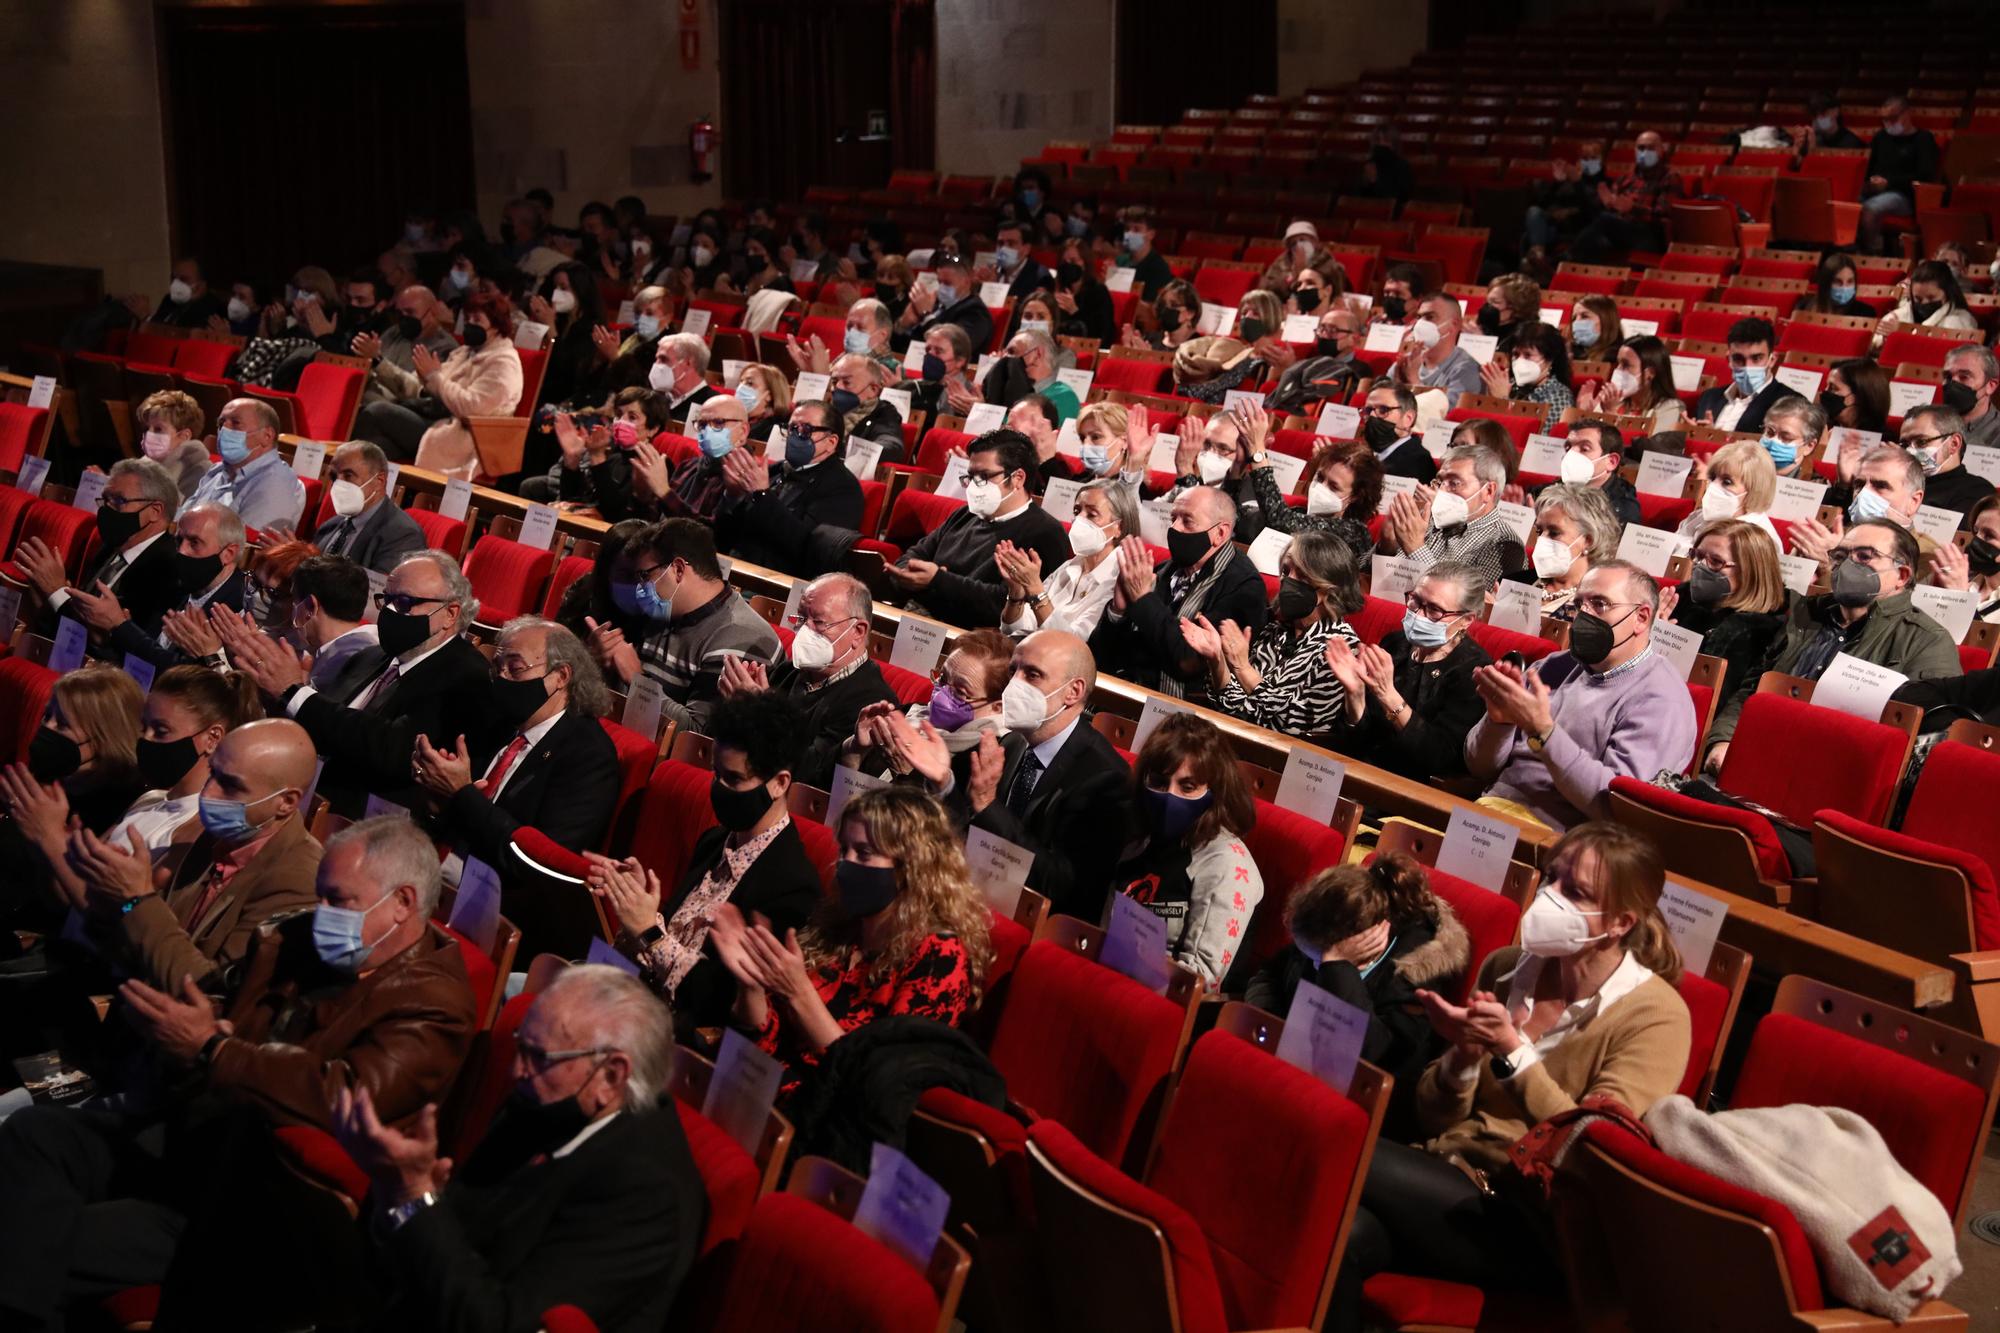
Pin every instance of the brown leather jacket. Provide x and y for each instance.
(159, 943)
(304, 1031)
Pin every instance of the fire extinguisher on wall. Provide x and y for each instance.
(701, 149)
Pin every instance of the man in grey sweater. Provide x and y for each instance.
(1554, 736)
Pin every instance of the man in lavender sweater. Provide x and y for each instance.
(1552, 740)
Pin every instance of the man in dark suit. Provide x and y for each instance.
(368, 526)
(137, 564)
(1389, 426)
(1015, 266)
(1063, 796)
(680, 375)
(208, 542)
(1741, 404)
(955, 300)
(582, 1193)
(424, 679)
(856, 395)
(771, 524)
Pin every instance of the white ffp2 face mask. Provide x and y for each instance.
(1526, 372)
(1448, 510)
(1212, 467)
(1323, 499)
(1554, 927)
(1576, 469)
(1552, 558)
(1024, 708)
(1086, 538)
(348, 499)
(982, 498)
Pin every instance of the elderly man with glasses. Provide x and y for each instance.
(773, 504)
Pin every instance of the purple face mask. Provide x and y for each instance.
(948, 711)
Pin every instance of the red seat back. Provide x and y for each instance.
(1952, 806)
(203, 356)
(1084, 1045)
(568, 570)
(14, 504)
(1853, 764)
(672, 814)
(151, 349)
(873, 493)
(1010, 941)
(937, 446)
(328, 398)
(1498, 642)
(20, 433)
(1490, 920)
(507, 577)
(1289, 849)
(70, 532)
(440, 533)
(800, 1266)
(1708, 1006)
(831, 331)
(481, 973)
(1131, 375)
(488, 1077)
(534, 365)
(636, 755)
(1518, 428)
(1773, 863)
(1376, 618)
(729, 1176)
(916, 512)
(24, 697)
(910, 687)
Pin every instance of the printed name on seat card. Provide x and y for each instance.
(913, 359)
(952, 484)
(1904, 395)
(1437, 438)
(1156, 710)
(1937, 524)
(919, 644)
(900, 400)
(901, 1207)
(1520, 519)
(695, 323)
(1059, 498)
(993, 295)
(1639, 328)
(475, 911)
(1385, 338)
(628, 312)
(644, 701)
(742, 1089)
(140, 670)
(986, 259)
(984, 417)
(89, 487)
(1983, 461)
(1481, 347)
(308, 457)
(1798, 572)
(1517, 607)
(789, 617)
(42, 393)
(1268, 550)
(1648, 548)
(1310, 785)
(1953, 608)
(1552, 315)
(1068, 443)
(1120, 279)
(10, 611)
(1300, 329)
(1391, 577)
(803, 270)
(1286, 469)
(732, 373)
(72, 637)
(1079, 382)
(529, 336)
(1216, 319)
(305, 801)
(1477, 847)
(1323, 1036)
(1393, 486)
(999, 868)
(1155, 518)
(34, 471)
(1857, 688)
(862, 458)
(1135, 942)
(809, 385)
(1801, 380)
(457, 498)
(1695, 921)
(1542, 455)
(1797, 499)
(1679, 645)
(847, 784)
(538, 527)
(1838, 436)
(1664, 474)
(1163, 459)
(382, 805)
(1687, 372)
(602, 951)
(377, 581)
(1340, 421)
(1235, 396)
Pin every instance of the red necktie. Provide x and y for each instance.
(491, 782)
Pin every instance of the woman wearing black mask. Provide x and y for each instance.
(1734, 598)
(1975, 565)
(1278, 678)
(905, 933)
(1176, 312)
(1084, 303)
(1207, 368)
(1186, 861)
(570, 303)
(753, 859)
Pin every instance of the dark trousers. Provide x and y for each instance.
(1421, 1215)
(1610, 238)
(84, 1211)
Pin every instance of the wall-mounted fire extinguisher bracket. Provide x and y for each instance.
(702, 139)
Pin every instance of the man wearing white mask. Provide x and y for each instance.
(188, 304)
(1935, 438)
(680, 366)
(1431, 357)
(367, 527)
(951, 572)
(1592, 455)
(829, 673)
(1458, 518)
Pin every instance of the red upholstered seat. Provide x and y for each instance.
(1518, 428)
(329, 396)
(1772, 861)
(728, 1174)
(1084, 1045)
(1377, 617)
(1499, 642)
(20, 433)
(568, 570)
(203, 356)
(822, 847)
(911, 687)
(1223, 286)
(636, 755)
(319, 1156)
(937, 446)
(873, 494)
(151, 349)
(487, 1078)
(507, 577)
(672, 814)
(800, 1266)
(1952, 807)
(440, 533)
(1131, 375)
(24, 697)
(481, 975)
(14, 504)
(1490, 920)
(1978, 871)
(1664, 511)
(1289, 849)
(69, 532)
(1708, 1008)
(912, 515)
(1798, 759)
(831, 331)
(1010, 940)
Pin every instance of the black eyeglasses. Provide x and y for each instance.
(401, 603)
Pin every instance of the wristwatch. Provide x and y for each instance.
(1503, 1066)
(1257, 459)
(652, 935)
(394, 1216)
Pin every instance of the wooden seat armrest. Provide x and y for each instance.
(1931, 1315)
(1981, 966)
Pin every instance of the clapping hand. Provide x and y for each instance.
(403, 1165)
(743, 676)
(613, 653)
(631, 890)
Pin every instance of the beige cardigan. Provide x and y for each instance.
(1635, 1050)
(486, 383)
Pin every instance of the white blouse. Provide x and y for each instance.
(1077, 597)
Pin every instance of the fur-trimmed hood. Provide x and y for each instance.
(1446, 955)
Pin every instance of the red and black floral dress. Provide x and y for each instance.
(936, 983)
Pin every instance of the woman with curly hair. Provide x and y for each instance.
(904, 933)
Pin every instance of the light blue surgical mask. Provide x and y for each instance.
(232, 444)
(1135, 241)
(647, 326)
(1006, 257)
(1867, 506)
(1751, 379)
(947, 295)
(746, 394)
(715, 441)
(1075, 226)
(338, 937)
(1031, 199)
(1583, 332)
(1841, 293)
(855, 342)
(1590, 166)
(651, 604)
(229, 821)
(1647, 158)
(1096, 458)
(1423, 632)
(1783, 453)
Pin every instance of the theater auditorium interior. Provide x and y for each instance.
(915, 665)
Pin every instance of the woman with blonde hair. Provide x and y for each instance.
(1584, 1007)
(1100, 431)
(88, 743)
(1738, 481)
(1734, 597)
(904, 933)
(1208, 366)
(766, 396)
